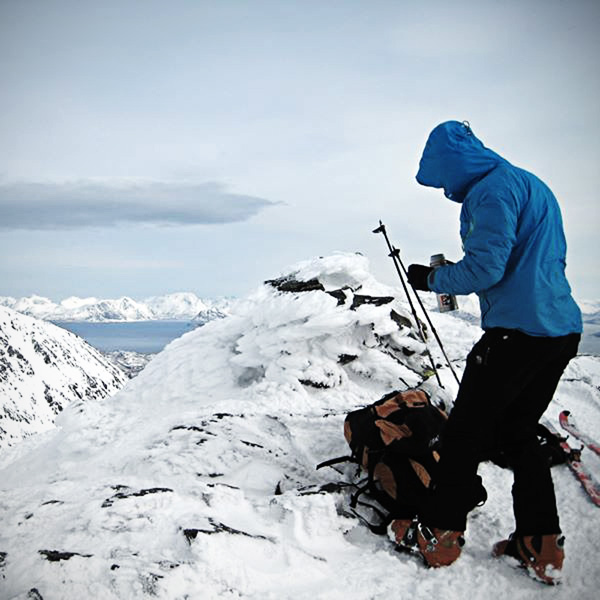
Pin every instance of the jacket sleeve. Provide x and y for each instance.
(487, 244)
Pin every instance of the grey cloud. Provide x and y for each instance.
(99, 204)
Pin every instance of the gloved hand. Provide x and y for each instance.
(417, 276)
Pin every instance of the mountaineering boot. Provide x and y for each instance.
(405, 533)
(541, 555)
(439, 547)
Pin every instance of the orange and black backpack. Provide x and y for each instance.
(396, 443)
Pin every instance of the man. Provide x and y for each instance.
(514, 260)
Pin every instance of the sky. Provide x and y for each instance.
(150, 147)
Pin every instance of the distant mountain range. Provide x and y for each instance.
(178, 306)
(43, 368)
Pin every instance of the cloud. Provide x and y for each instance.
(74, 205)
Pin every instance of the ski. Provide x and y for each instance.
(567, 423)
(585, 478)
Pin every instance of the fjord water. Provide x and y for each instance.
(145, 337)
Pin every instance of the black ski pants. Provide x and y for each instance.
(509, 380)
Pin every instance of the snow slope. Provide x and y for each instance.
(43, 368)
(197, 480)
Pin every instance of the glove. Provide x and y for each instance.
(417, 276)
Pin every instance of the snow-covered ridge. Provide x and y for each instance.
(131, 363)
(44, 368)
(198, 479)
(177, 306)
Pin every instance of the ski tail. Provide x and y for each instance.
(569, 425)
(589, 483)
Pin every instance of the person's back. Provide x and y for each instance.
(512, 234)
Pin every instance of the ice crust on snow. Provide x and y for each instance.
(197, 480)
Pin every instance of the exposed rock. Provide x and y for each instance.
(344, 359)
(359, 300)
(288, 284)
(217, 527)
(130, 494)
(57, 555)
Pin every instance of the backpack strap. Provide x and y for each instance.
(335, 461)
(377, 528)
(359, 492)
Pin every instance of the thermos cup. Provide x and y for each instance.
(446, 302)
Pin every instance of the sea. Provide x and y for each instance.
(145, 337)
(150, 337)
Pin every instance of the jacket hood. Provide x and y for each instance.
(454, 159)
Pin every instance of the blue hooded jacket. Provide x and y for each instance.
(512, 235)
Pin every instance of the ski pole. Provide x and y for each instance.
(435, 333)
(395, 253)
(381, 229)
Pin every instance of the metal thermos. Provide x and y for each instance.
(446, 302)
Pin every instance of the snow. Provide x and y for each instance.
(131, 363)
(42, 369)
(177, 306)
(198, 479)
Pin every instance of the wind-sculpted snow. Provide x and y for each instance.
(43, 368)
(198, 479)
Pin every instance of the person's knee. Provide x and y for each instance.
(524, 454)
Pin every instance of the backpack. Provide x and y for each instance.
(395, 441)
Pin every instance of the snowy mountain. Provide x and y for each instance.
(131, 363)
(43, 368)
(186, 305)
(210, 314)
(198, 479)
(80, 309)
(178, 306)
(590, 342)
